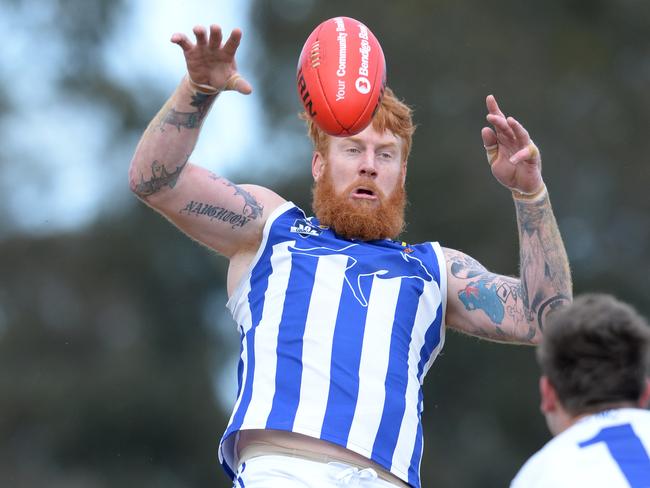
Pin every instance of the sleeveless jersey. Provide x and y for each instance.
(336, 338)
(605, 450)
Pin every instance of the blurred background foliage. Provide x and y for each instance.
(113, 341)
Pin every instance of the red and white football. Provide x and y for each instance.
(341, 76)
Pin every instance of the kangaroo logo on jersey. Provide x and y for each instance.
(304, 228)
(383, 265)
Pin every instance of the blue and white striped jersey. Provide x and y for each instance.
(336, 338)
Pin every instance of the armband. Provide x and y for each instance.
(529, 197)
(211, 90)
(201, 88)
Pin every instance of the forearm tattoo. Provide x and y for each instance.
(251, 209)
(160, 177)
(545, 274)
(189, 120)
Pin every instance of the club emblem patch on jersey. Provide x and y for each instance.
(304, 228)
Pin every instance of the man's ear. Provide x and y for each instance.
(644, 401)
(404, 166)
(549, 401)
(317, 165)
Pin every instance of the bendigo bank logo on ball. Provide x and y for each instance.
(341, 76)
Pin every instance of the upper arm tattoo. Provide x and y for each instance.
(498, 297)
(251, 209)
(463, 266)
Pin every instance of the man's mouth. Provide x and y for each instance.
(364, 193)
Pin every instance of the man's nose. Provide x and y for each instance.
(367, 166)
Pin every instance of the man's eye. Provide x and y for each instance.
(386, 155)
(353, 150)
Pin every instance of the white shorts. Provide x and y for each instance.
(277, 471)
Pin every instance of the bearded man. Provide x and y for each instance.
(339, 322)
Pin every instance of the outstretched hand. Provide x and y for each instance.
(513, 157)
(211, 64)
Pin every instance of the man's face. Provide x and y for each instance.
(359, 185)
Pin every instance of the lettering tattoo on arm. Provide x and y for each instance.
(189, 120)
(214, 212)
(251, 210)
(160, 177)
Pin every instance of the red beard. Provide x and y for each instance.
(359, 219)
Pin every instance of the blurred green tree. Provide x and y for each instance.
(108, 357)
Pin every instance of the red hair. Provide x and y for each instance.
(392, 114)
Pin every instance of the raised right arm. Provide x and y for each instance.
(221, 215)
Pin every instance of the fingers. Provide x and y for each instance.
(244, 87)
(490, 144)
(215, 37)
(210, 62)
(201, 38)
(518, 130)
(201, 35)
(212, 40)
(239, 84)
(528, 153)
(493, 106)
(503, 129)
(231, 45)
(488, 136)
(508, 129)
(182, 40)
(509, 133)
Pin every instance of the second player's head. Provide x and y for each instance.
(595, 354)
